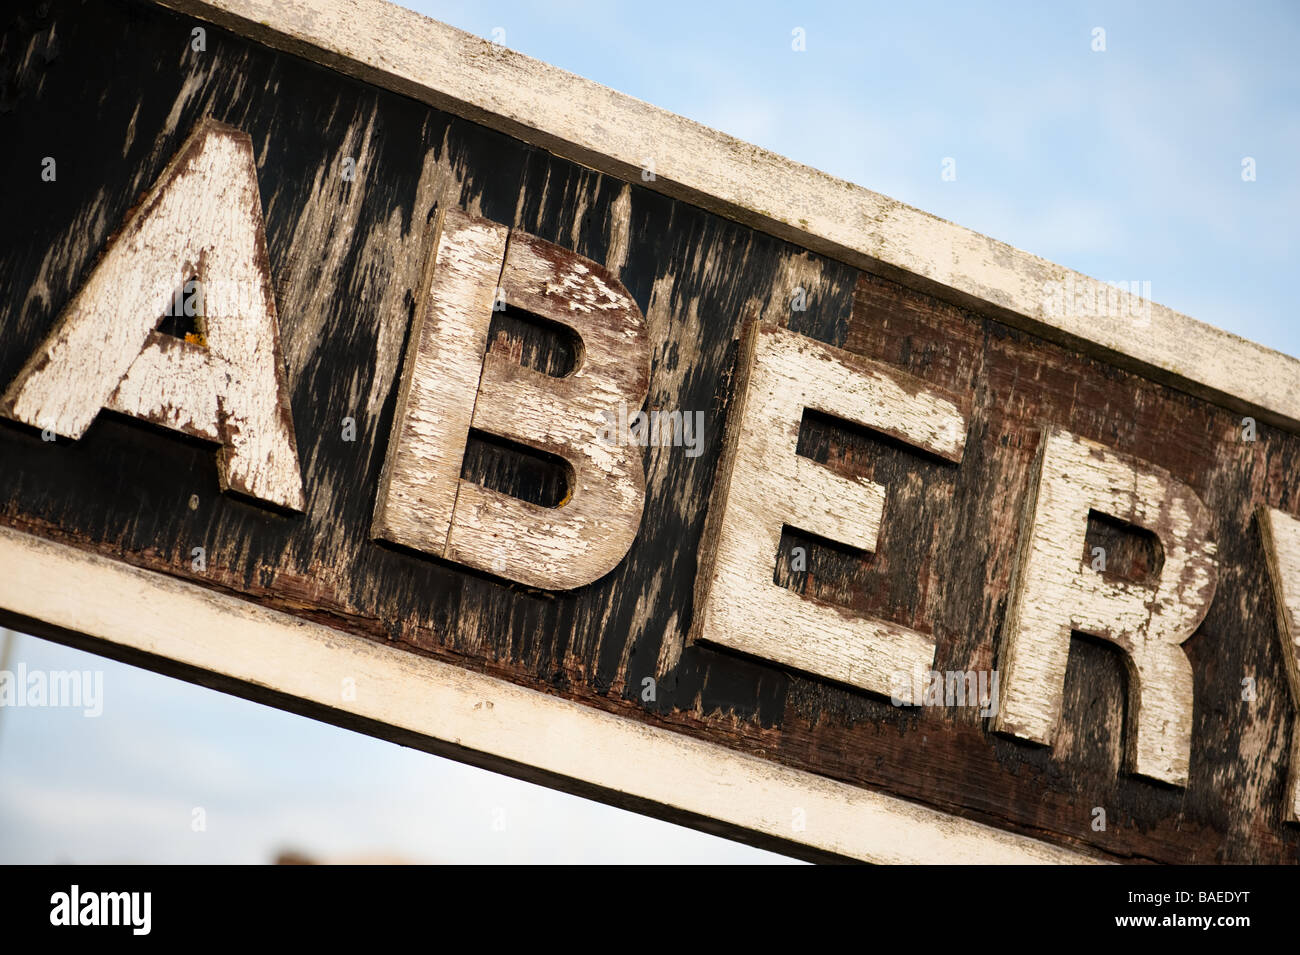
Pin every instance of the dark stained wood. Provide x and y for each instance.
(111, 89)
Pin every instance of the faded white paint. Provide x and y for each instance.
(440, 379)
(469, 76)
(1055, 591)
(1281, 534)
(137, 609)
(589, 533)
(449, 385)
(202, 218)
(762, 484)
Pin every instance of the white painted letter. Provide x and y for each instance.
(203, 217)
(1282, 551)
(449, 386)
(1055, 591)
(762, 484)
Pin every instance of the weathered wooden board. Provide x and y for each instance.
(112, 89)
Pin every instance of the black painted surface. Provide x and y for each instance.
(111, 88)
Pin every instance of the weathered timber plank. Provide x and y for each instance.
(346, 257)
(583, 121)
(444, 709)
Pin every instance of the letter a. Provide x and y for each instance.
(227, 385)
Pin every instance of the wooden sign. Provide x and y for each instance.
(359, 366)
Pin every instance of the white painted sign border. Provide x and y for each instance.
(469, 76)
(76, 591)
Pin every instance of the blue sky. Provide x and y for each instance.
(1124, 164)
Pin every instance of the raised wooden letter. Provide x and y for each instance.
(202, 219)
(1282, 550)
(1055, 591)
(762, 484)
(444, 360)
(449, 386)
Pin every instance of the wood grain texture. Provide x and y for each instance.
(445, 709)
(452, 381)
(1282, 545)
(590, 531)
(440, 382)
(1055, 591)
(469, 76)
(763, 485)
(346, 260)
(202, 218)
